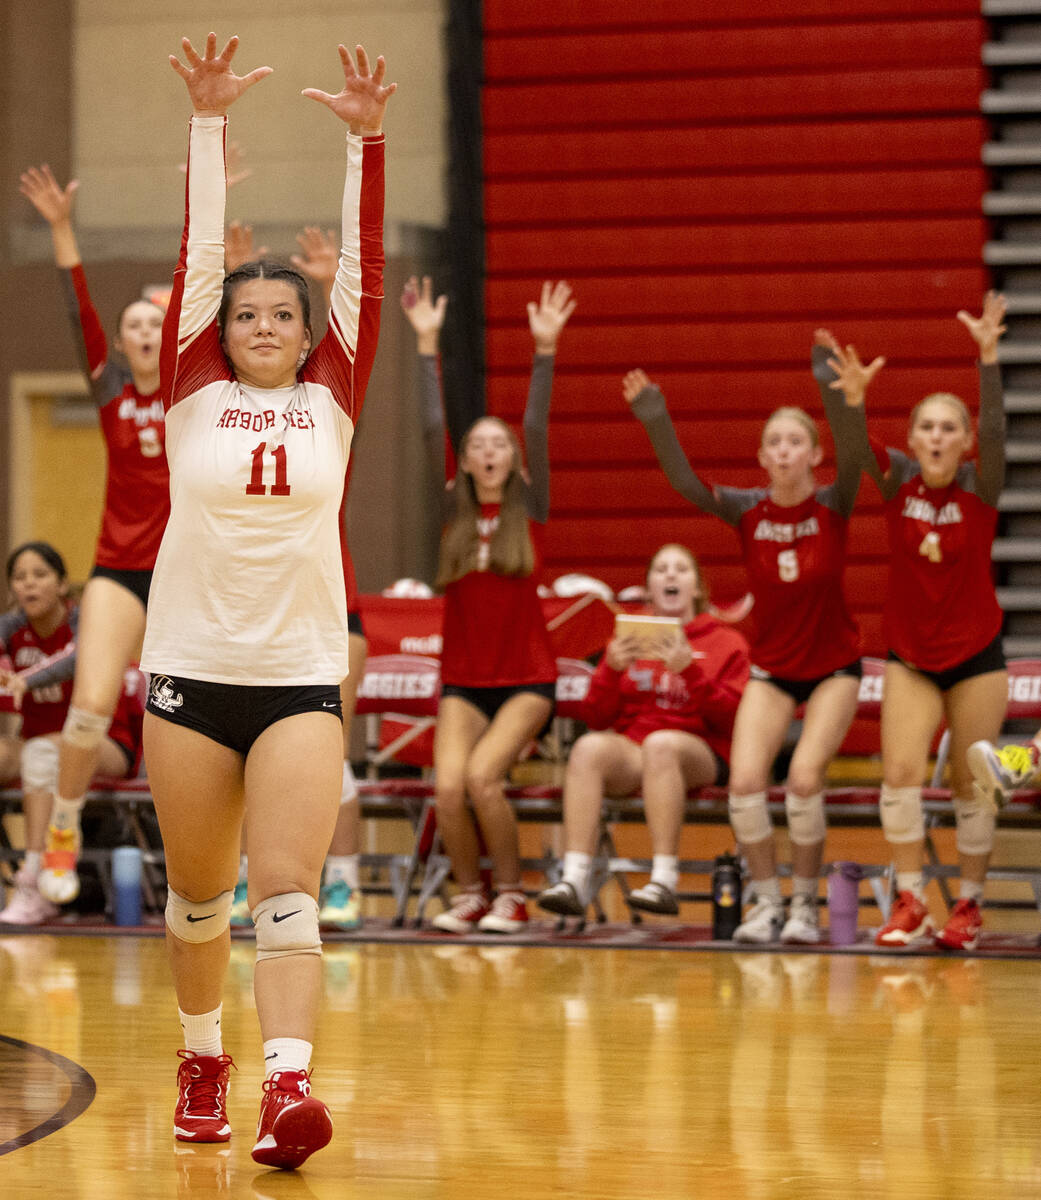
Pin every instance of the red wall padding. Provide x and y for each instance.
(716, 183)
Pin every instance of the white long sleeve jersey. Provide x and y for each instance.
(248, 585)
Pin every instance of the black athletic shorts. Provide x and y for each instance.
(488, 700)
(235, 715)
(801, 690)
(354, 624)
(138, 582)
(990, 658)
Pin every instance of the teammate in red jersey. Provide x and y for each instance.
(806, 646)
(137, 503)
(37, 669)
(942, 626)
(246, 639)
(498, 669)
(660, 723)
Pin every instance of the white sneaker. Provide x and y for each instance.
(803, 925)
(999, 771)
(27, 906)
(763, 923)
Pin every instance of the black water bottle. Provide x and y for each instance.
(726, 897)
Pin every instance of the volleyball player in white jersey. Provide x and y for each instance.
(247, 630)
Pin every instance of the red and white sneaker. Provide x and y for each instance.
(508, 914)
(909, 921)
(466, 910)
(293, 1124)
(202, 1100)
(58, 880)
(962, 931)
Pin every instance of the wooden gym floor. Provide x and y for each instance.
(459, 1071)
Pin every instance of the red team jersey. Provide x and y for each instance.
(137, 488)
(701, 700)
(941, 608)
(494, 630)
(795, 558)
(45, 707)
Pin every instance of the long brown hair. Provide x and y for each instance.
(510, 551)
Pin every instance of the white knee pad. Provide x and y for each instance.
(84, 729)
(806, 825)
(901, 813)
(976, 819)
(749, 819)
(201, 922)
(287, 924)
(39, 767)
(349, 786)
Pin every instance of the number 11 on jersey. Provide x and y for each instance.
(256, 486)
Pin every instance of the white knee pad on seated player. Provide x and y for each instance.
(806, 825)
(198, 922)
(901, 813)
(39, 766)
(976, 819)
(84, 729)
(349, 786)
(287, 924)
(749, 819)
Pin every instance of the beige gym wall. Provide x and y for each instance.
(125, 144)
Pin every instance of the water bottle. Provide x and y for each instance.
(726, 897)
(126, 883)
(843, 902)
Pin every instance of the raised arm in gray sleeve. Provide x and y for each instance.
(11, 622)
(56, 669)
(649, 408)
(991, 435)
(536, 436)
(432, 415)
(112, 377)
(848, 427)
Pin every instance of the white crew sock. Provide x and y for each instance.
(202, 1032)
(911, 881)
(969, 889)
(577, 868)
(65, 814)
(286, 1054)
(346, 867)
(665, 870)
(768, 889)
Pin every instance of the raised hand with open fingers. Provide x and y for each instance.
(363, 98)
(549, 316)
(239, 247)
(319, 254)
(854, 377)
(987, 328)
(212, 85)
(52, 201)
